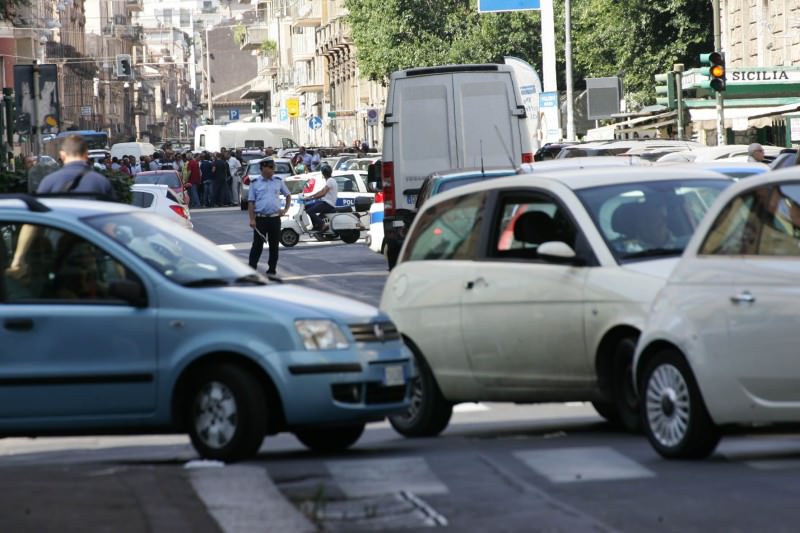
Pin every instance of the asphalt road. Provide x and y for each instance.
(496, 468)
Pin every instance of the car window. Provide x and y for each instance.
(253, 169)
(283, 167)
(142, 198)
(449, 230)
(764, 221)
(295, 186)
(524, 221)
(346, 183)
(641, 220)
(169, 179)
(47, 264)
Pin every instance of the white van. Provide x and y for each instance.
(442, 118)
(243, 135)
(136, 149)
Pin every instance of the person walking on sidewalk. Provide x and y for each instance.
(265, 211)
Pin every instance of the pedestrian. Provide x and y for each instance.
(207, 173)
(299, 157)
(235, 167)
(221, 172)
(265, 211)
(115, 164)
(755, 153)
(76, 175)
(316, 160)
(195, 181)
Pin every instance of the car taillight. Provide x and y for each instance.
(180, 210)
(527, 157)
(378, 198)
(388, 187)
(246, 180)
(309, 188)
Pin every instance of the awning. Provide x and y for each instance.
(740, 118)
(257, 88)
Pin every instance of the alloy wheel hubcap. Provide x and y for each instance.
(668, 405)
(215, 415)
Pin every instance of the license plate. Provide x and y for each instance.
(393, 375)
(411, 199)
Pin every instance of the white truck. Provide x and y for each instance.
(243, 135)
(441, 118)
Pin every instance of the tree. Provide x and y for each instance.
(392, 35)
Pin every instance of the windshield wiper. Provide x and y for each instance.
(654, 252)
(206, 282)
(254, 279)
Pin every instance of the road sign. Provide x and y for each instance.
(233, 114)
(293, 107)
(493, 6)
(283, 114)
(86, 111)
(315, 123)
(372, 116)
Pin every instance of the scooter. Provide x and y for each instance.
(346, 223)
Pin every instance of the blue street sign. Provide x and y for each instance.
(233, 114)
(283, 114)
(315, 123)
(493, 6)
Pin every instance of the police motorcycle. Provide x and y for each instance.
(345, 223)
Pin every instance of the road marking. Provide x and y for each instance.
(301, 244)
(337, 275)
(470, 408)
(570, 465)
(368, 477)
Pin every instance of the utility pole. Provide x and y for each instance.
(720, 103)
(208, 78)
(678, 68)
(568, 57)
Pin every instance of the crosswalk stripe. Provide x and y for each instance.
(570, 465)
(369, 477)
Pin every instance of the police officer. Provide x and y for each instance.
(265, 210)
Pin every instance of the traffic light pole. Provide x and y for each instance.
(677, 68)
(720, 99)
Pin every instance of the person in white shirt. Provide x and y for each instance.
(325, 200)
(236, 180)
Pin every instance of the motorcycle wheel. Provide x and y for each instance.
(289, 237)
(349, 236)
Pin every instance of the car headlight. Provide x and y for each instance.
(321, 335)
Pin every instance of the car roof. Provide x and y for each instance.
(472, 172)
(154, 172)
(586, 178)
(69, 207)
(594, 161)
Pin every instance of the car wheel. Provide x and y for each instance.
(227, 413)
(429, 412)
(349, 236)
(674, 414)
(607, 410)
(289, 237)
(330, 439)
(623, 392)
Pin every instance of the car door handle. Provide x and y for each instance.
(18, 324)
(743, 298)
(471, 284)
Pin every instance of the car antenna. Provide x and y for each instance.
(483, 170)
(505, 148)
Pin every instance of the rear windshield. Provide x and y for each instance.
(295, 186)
(170, 179)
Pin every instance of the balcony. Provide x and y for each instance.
(134, 5)
(267, 64)
(254, 36)
(306, 13)
(333, 37)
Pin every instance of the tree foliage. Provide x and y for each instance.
(634, 39)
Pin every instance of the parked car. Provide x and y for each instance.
(167, 177)
(337, 162)
(360, 163)
(719, 350)
(351, 185)
(534, 288)
(785, 159)
(283, 169)
(141, 326)
(161, 200)
(733, 169)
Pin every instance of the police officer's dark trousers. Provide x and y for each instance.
(270, 227)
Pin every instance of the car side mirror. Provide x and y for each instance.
(374, 177)
(557, 251)
(130, 291)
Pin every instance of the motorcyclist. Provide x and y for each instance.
(325, 200)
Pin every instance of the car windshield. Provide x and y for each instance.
(296, 186)
(180, 255)
(169, 179)
(650, 219)
(281, 167)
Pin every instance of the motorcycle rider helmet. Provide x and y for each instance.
(326, 170)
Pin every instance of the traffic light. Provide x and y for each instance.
(124, 66)
(256, 107)
(713, 66)
(666, 90)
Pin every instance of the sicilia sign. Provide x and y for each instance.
(763, 75)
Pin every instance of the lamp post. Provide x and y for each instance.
(208, 79)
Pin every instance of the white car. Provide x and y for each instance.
(161, 200)
(375, 233)
(720, 346)
(351, 184)
(534, 288)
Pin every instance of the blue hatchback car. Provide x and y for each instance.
(118, 321)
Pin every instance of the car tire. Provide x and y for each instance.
(227, 413)
(289, 237)
(623, 392)
(349, 236)
(330, 439)
(429, 412)
(607, 410)
(674, 415)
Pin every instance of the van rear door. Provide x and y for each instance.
(423, 105)
(488, 120)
